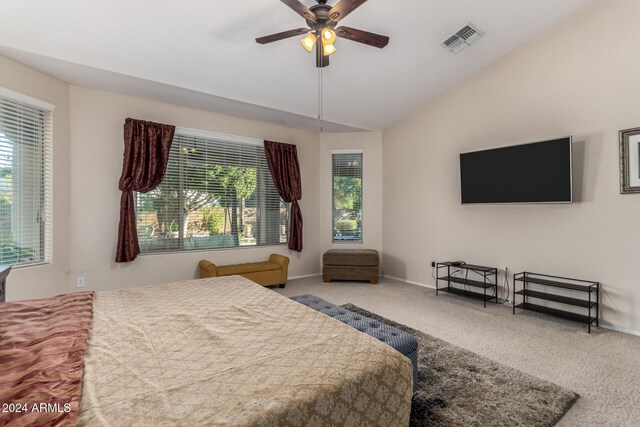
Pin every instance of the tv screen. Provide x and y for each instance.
(530, 173)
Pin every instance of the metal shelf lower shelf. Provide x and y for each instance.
(557, 313)
(469, 294)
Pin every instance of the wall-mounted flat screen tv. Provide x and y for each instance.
(539, 172)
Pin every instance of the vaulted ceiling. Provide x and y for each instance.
(203, 54)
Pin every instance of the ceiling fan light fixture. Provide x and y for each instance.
(309, 42)
(329, 49)
(328, 35)
(321, 32)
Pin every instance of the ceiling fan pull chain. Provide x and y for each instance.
(320, 100)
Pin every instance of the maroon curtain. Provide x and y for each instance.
(285, 170)
(146, 155)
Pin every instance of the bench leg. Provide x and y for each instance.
(282, 285)
(326, 279)
(374, 281)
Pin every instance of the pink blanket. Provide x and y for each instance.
(42, 347)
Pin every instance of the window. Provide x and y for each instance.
(25, 180)
(347, 196)
(217, 193)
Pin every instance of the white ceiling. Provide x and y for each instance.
(203, 54)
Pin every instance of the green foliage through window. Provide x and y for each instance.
(347, 197)
(25, 184)
(214, 194)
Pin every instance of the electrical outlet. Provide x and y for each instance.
(80, 282)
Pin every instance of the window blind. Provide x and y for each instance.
(25, 183)
(215, 194)
(347, 197)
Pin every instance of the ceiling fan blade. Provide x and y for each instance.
(300, 9)
(342, 9)
(283, 35)
(321, 59)
(375, 40)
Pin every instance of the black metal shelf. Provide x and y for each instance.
(558, 313)
(467, 266)
(584, 287)
(488, 284)
(556, 284)
(577, 302)
(470, 294)
(468, 282)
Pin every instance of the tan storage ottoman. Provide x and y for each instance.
(266, 273)
(350, 264)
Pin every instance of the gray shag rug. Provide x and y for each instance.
(460, 388)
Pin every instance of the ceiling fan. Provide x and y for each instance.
(322, 32)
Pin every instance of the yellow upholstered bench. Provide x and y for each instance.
(267, 273)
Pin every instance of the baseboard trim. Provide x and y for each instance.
(620, 329)
(411, 282)
(603, 326)
(304, 276)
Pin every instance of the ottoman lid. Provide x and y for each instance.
(402, 341)
(351, 257)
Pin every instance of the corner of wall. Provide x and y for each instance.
(52, 278)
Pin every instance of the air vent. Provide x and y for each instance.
(462, 38)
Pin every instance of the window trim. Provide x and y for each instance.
(351, 151)
(26, 99)
(47, 173)
(348, 242)
(222, 137)
(191, 251)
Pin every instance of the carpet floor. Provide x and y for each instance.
(459, 388)
(603, 367)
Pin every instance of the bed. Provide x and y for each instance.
(225, 351)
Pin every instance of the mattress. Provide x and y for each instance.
(226, 351)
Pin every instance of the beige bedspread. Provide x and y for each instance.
(225, 351)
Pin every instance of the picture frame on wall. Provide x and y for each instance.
(630, 161)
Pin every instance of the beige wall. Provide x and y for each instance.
(97, 119)
(87, 156)
(579, 79)
(49, 279)
(87, 162)
(371, 144)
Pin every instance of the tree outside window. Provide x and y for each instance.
(347, 197)
(214, 195)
